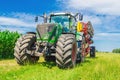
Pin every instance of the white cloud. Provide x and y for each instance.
(107, 36)
(14, 22)
(99, 6)
(24, 16)
(21, 22)
(18, 29)
(95, 20)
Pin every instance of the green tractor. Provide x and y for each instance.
(62, 39)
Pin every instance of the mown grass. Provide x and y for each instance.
(106, 66)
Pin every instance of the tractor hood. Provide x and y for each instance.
(48, 32)
(44, 30)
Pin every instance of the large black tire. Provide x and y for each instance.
(79, 50)
(25, 42)
(66, 51)
(92, 51)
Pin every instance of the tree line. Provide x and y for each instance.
(116, 50)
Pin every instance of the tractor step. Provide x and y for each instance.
(34, 53)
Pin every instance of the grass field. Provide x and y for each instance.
(106, 66)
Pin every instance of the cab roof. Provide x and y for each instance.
(62, 13)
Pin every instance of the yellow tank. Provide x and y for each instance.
(79, 26)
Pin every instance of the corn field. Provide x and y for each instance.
(7, 42)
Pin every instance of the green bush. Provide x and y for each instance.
(7, 42)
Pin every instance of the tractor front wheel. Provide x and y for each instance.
(25, 42)
(66, 51)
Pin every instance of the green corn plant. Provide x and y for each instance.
(7, 42)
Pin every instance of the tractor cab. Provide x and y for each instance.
(68, 21)
(65, 20)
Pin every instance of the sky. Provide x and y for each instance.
(18, 15)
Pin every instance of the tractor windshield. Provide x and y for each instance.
(61, 19)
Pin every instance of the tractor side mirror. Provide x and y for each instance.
(80, 17)
(36, 19)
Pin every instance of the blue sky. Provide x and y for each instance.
(18, 15)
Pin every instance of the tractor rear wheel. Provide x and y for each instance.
(25, 42)
(66, 51)
(92, 51)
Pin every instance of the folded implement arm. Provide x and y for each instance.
(86, 31)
